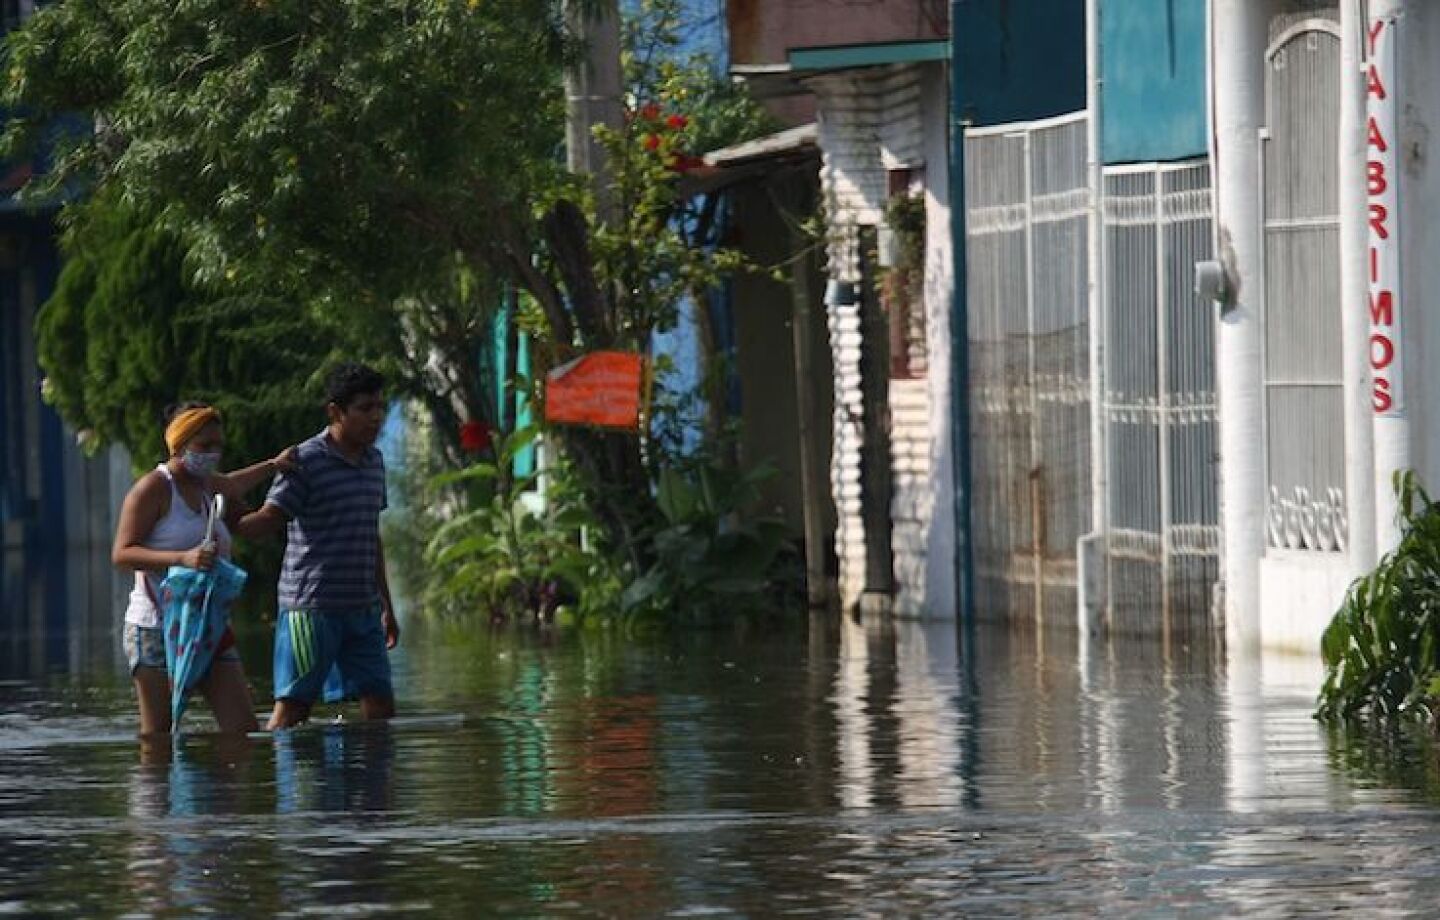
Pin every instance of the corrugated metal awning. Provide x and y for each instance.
(782, 143)
(761, 156)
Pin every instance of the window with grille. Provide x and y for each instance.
(1304, 436)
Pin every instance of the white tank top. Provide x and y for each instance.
(180, 528)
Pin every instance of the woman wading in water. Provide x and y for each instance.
(163, 523)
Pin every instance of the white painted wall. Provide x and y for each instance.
(852, 182)
(1299, 593)
(871, 122)
(940, 574)
(912, 506)
(1296, 593)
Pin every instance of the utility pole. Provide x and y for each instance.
(593, 93)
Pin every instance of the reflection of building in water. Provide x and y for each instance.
(525, 741)
(1270, 758)
(929, 728)
(1277, 786)
(905, 724)
(855, 771)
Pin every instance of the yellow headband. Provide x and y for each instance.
(185, 424)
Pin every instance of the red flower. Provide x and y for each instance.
(651, 142)
(650, 111)
(474, 437)
(686, 163)
(677, 122)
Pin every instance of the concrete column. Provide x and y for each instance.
(1354, 298)
(1093, 549)
(1237, 73)
(1389, 87)
(940, 575)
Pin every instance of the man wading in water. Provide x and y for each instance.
(335, 608)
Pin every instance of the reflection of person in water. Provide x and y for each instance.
(337, 768)
(171, 866)
(150, 874)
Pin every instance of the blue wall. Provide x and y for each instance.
(1019, 60)
(1154, 79)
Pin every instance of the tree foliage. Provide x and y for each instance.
(354, 146)
(126, 333)
(392, 168)
(349, 155)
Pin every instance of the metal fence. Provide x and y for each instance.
(1028, 235)
(1160, 404)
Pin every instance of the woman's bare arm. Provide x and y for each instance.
(143, 507)
(238, 482)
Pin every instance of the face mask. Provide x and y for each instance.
(200, 465)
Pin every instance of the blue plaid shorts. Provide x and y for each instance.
(145, 647)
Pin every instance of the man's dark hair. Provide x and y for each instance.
(347, 381)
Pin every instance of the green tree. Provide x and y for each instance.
(126, 333)
(393, 165)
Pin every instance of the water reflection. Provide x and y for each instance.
(176, 861)
(57, 614)
(830, 766)
(334, 768)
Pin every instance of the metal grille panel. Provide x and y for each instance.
(1029, 388)
(1161, 422)
(1305, 451)
(1028, 235)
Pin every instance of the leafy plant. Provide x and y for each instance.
(1381, 648)
(709, 551)
(511, 555)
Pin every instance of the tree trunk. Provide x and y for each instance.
(593, 88)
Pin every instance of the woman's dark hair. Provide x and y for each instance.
(347, 381)
(175, 409)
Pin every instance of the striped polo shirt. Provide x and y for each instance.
(332, 546)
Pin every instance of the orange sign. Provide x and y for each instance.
(601, 389)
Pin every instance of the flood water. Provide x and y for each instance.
(818, 767)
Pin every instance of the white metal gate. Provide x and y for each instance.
(1160, 403)
(1028, 207)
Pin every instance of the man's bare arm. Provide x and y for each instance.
(387, 606)
(263, 524)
